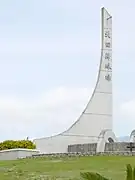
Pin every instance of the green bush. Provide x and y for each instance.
(10, 144)
(95, 176)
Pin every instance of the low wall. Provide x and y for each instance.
(111, 147)
(118, 146)
(13, 154)
(82, 148)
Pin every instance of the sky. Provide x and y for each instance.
(49, 58)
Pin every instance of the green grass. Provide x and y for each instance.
(113, 167)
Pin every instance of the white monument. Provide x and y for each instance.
(95, 123)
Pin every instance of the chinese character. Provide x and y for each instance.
(109, 20)
(108, 66)
(108, 44)
(108, 77)
(107, 34)
(107, 56)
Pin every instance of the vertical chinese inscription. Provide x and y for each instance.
(107, 42)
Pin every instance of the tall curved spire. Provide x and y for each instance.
(97, 115)
(98, 112)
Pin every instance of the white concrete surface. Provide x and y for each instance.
(13, 154)
(97, 115)
(132, 136)
(103, 138)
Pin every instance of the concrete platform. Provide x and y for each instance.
(13, 154)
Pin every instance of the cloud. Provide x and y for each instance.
(128, 108)
(53, 112)
(49, 113)
(124, 117)
(65, 44)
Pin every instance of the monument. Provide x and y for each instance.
(95, 123)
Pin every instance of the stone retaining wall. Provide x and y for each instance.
(65, 155)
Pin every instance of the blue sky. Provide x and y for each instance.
(49, 57)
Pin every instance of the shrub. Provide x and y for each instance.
(10, 144)
(96, 176)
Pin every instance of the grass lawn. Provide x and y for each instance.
(44, 168)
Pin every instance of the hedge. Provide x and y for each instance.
(11, 144)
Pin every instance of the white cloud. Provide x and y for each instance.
(59, 45)
(52, 112)
(128, 108)
(124, 117)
